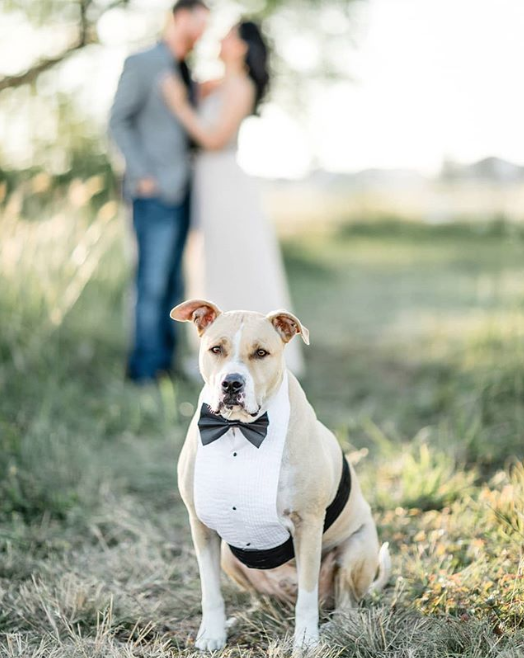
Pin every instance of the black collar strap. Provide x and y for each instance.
(271, 558)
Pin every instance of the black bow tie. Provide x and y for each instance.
(212, 427)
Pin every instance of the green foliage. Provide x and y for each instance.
(36, 192)
(419, 477)
(45, 12)
(397, 228)
(429, 327)
(61, 352)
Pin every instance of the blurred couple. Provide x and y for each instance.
(179, 142)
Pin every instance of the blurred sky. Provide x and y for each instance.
(435, 79)
(427, 80)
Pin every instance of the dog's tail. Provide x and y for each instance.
(384, 569)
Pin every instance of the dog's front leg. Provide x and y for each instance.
(212, 632)
(308, 547)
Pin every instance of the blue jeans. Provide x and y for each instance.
(161, 232)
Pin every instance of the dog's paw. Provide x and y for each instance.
(211, 636)
(305, 640)
(207, 643)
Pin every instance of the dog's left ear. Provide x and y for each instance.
(199, 311)
(288, 325)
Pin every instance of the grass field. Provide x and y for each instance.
(416, 361)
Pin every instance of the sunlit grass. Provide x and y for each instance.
(416, 363)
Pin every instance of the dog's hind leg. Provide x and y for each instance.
(233, 568)
(358, 560)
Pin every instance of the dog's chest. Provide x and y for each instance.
(236, 484)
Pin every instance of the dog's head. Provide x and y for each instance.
(241, 354)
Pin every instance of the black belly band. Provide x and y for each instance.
(270, 558)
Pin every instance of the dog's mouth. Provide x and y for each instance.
(232, 401)
(232, 405)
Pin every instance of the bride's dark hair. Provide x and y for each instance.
(257, 56)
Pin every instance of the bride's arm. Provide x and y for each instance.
(237, 103)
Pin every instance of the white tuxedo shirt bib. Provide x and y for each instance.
(236, 484)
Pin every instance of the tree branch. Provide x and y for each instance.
(85, 37)
(13, 81)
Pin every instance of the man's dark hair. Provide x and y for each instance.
(189, 5)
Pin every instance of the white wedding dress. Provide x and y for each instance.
(233, 258)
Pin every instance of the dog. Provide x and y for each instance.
(270, 495)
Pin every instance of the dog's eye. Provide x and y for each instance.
(261, 353)
(216, 350)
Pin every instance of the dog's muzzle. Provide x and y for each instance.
(233, 389)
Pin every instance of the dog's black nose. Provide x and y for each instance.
(233, 383)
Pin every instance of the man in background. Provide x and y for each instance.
(156, 182)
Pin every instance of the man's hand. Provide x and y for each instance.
(147, 187)
(175, 93)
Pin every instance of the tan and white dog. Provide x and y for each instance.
(242, 363)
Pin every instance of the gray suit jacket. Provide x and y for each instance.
(149, 137)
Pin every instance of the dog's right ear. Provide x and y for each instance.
(288, 325)
(199, 311)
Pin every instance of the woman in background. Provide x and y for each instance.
(235, 259)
